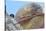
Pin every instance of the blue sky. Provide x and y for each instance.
(13, 6)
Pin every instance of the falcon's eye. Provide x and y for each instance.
(12, 15)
